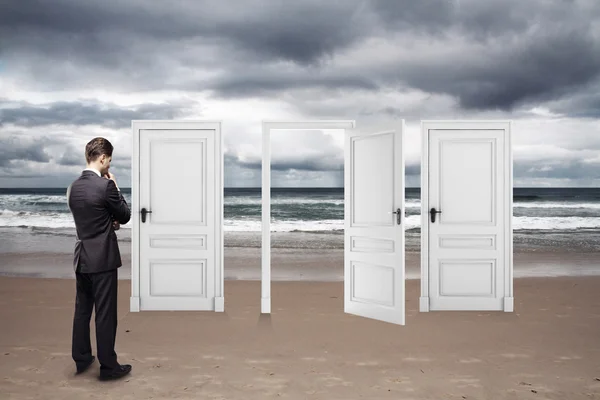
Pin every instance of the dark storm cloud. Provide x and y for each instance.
(259, 85)
(86, 113)
(18, 150)
(71, 157)
(584, 104)
(14, 149)
(300, 163)
(230, 160)
(308, 164)
(540, 71)
(431, 16)
(586, 108)
(476, 19)
(299, 31)
(329, 157)
(77, 158)
(508, 52)
(496, 55)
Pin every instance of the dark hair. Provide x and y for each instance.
(96, 147)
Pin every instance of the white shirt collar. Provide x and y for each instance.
(93, 169)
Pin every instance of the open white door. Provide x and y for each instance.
(466, 197)
(177, 216)
(267, 127)
(374, 225)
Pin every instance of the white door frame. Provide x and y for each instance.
(508, 211)
(137, 125)
(267, 126)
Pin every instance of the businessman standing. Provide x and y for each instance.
(98, 209)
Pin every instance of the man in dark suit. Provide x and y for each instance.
(98, 209)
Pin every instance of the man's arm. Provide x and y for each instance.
(69, 196)
(69, 205)
(116, 203)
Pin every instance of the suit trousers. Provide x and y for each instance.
(100, 290)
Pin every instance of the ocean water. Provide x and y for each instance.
(556, 232)
(536, 210)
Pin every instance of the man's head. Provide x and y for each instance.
(98, 154)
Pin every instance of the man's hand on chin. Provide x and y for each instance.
(110, 176)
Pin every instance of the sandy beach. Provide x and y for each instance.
(308, 348)
(295, 256)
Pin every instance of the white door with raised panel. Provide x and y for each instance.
(374, 225)
(177, 214)
(466, 195)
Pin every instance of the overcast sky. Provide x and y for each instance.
(71, 70)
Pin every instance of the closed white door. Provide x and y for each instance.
(467, 202)
(179, 219)
(374, 225)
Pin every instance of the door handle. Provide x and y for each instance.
(144, 212)
(398, 215)
(433, 212)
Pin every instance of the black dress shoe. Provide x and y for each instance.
(120, 372)
(82, 368)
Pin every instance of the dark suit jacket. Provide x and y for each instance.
(95, 202)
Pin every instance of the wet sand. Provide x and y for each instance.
(295, 256)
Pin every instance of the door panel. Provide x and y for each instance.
(374, 241)
(177, 241)
(466, 243)
(178, 160)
